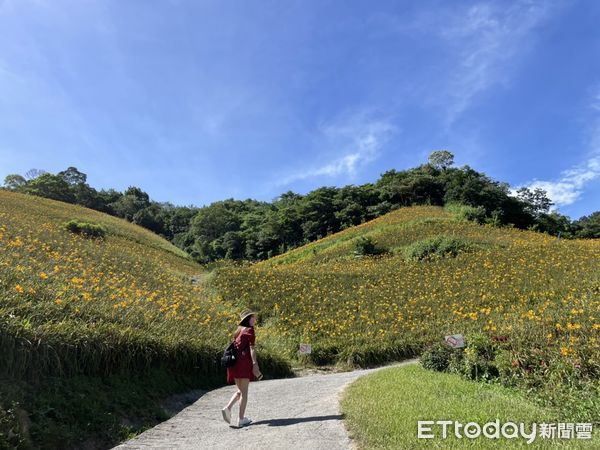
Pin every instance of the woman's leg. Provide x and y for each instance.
(236, 396)
(243, 386)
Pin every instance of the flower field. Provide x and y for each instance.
(125, 303)
(538, 297)
(71, 304)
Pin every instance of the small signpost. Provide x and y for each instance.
(305, 349)
(455, 340)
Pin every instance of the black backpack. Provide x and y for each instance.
(230, 355)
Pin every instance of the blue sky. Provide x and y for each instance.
(196, 102)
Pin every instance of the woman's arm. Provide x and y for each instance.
(255, 369)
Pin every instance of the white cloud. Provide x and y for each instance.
(363, 137)
(568, 188)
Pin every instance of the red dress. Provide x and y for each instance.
(243, 366)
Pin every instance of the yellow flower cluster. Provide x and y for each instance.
(132, 277)
(516, 283)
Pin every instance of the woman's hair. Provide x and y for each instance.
(245, 323)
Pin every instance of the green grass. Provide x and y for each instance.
(382, 410)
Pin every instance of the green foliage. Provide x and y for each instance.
(589, 226)
(86, 229)
(256, 230)
(441, 159)
(437, 246)
(479, 355)
(476, 361)
(366, 246)
(49, 186)
(437, 357)
(131, 202)
(465, 212)
(14, 182)
(536, 202)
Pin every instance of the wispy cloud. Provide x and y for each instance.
(478, 46)
(568, 188)
(361, 136)
(487, 39)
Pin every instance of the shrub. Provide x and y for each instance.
(438, 246)
(465, 212)
(85, 228)
(479, 357)
(437, 357)
(476, 361)
(365, 246)
(324, 354)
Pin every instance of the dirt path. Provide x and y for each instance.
(288, 413)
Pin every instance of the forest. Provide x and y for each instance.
(256, 230)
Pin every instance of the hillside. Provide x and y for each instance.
(117, 320)
(534, 297)
(131, 279)
(121, 312)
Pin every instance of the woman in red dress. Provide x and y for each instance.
(245, 369)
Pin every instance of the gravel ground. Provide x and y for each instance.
(291, 413)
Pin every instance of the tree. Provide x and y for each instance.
(50, 186)
(555, 224)
(536, 201)
(73, 176)
(106, 198)
(150, 218)
(32, 174)
(441, 159)
(589, 226)
(233, 245)
(87, 196)
(14, 182)
(132, 201)
(318, 213)
(214, 221)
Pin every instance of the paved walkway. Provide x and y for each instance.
(291, 413)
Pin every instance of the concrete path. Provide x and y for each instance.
(291, 413)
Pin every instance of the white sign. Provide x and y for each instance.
(305, 348)
(455, 341)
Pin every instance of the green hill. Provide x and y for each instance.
(529, 303)
(116, 320)
(94, 331)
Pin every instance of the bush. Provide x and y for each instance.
(476, 361)
(464, 212)
(479, 358)
(322, 355)
(438, 246)
(437, 357)
(365, 246)
(85, 228)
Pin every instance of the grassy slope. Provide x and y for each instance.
(124, 306)
(116, 321)
(539, 294)
(382, 410)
